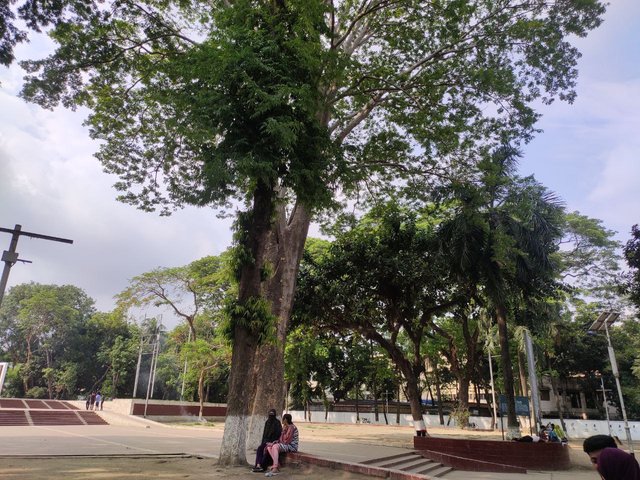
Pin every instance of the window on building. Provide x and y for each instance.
(545, 395)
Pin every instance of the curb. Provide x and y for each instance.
(354, 467)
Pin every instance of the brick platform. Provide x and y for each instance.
(479, 453)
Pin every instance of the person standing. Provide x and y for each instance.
(288, 442)
(98, 401)
(92, 400)
(271, 433)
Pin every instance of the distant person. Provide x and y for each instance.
(616, 464)
(88, 402)
(270, 433)
(102, 402)
(528, 439)
(557, 429)
(98, 401)
(594, 445)
(543, 434)
(92, 400)
(553, 435)
(288, 442)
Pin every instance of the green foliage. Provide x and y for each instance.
(626, 343)
(13, 382)
(504, 232)
(632, 255)
(196, 104)
(589, 256)
(56, 340)
(254, 314)
(191, 290)
(37, 392)
(461, 417)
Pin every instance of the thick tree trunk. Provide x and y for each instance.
(256, 381)
(413, 396)
(507, 369)
(463, 394)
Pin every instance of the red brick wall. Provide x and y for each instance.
(178, 410)
(539, 456)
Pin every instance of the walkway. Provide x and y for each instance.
(347, 443)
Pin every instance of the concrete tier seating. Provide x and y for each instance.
(26, 412)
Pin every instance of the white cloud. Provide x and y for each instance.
(52, 184)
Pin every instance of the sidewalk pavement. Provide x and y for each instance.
(131, 436)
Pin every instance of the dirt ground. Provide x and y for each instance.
(138, 468)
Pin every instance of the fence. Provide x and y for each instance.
(574, 428)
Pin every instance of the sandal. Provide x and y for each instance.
(257, 469)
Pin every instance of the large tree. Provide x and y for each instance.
(37, 324)
(277, 105)
(188, 291)
(385, 280)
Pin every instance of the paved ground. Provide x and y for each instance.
(162, 447)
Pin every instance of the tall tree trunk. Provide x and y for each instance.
(256, 380)
(507, 369)
(439, 396)
(49, 374)
(201, 393)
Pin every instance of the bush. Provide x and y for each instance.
(37, 392)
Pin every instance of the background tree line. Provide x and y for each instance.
(396, 302)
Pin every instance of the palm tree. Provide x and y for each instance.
(501, 238)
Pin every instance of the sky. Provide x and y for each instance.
(51, 184)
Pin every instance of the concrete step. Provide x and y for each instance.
(412, 463)
(416, 465)
(13, 418)
(399, 462)
(440, 472)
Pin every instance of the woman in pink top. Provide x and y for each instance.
(288, 442)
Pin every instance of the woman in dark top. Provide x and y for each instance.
(271, 433)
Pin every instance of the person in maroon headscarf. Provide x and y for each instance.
(616, 464)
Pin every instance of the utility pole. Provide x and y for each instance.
(604, 321)
(10, 257)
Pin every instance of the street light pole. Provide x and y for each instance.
(602, 323)
(10, 257)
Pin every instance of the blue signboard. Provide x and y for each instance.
(522, 405)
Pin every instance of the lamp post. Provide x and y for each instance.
(604, 321)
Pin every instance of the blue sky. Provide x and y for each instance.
(589, 151)
(51, 184)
